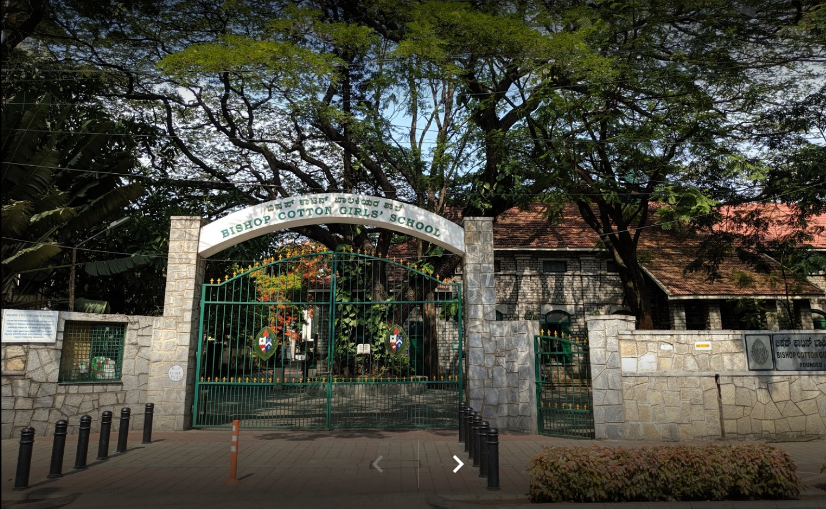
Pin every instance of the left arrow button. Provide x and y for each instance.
(375, 464)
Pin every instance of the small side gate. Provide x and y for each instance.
(321, 339)
(563, 387)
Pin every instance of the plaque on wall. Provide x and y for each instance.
(759, 352)
(799, 351)
(29, 326)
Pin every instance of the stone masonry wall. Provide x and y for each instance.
(33, 397)
(173, 341)
(587, 287)
(606, 376)
(673, 392)
(480, 298)
(503, 388)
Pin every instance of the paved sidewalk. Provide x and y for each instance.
(315, 469)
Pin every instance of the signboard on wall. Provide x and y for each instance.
(29, 326)
(799, 352)
(759, 352)
(786, 351)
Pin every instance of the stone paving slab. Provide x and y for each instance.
(306, 469)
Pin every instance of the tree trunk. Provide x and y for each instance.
(634, 284)
(430, 338)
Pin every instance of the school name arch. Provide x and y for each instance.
(322, 208)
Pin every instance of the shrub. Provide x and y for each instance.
(662, 473)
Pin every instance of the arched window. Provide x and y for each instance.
(818, 319)
(557, 321)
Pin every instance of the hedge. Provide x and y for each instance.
(663, 473)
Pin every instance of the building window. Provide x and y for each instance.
(554, 266)
(818, 319)
(497, 265)
(611, 267)
(558, 322)
(500, 317)
(92, 352)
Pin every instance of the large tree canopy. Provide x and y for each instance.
(614, 105)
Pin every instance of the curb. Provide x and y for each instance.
(439, 502)
(20, 500)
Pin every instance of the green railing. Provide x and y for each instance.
(355, 341)
(563, 387)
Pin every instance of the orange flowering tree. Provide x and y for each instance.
(286, 286)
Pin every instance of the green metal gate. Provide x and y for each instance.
(329, 340)
(563, 387)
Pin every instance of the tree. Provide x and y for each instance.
(45, 203)
(271, 99)
(622, 105)
(612, 105)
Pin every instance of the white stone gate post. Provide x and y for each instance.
(174, 342)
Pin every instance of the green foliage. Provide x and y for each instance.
(663, 473)
(45, 203)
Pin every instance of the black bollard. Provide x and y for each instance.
(465, 413)
(147, 423)
(468, 421)
(105, 429)
(483, 448)
(24, 458)
(58, 448)
(83, 441)
(123, 430)
(462, 407)
(477, 421)
(493, 459)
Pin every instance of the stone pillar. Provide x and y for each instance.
(714, 320)
(173, 338)
(677, 313)
(500, 375)
(480, 311)
(606, 373)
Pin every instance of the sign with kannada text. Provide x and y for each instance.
(330, 208)
(788, 351)
(29, 326)
(799, 352)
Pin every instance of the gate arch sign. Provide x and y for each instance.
(322, 208)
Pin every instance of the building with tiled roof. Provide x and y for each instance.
(556, 272)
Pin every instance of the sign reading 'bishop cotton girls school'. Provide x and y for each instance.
(330, 208)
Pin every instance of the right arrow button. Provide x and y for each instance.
(459, 462)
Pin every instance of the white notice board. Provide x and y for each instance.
(29, 326)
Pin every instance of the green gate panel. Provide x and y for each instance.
(322, 340)
(563, 387)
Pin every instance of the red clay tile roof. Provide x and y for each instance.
(665, 256)
(780, 216)
(530, 228)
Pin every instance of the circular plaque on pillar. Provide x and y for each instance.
(176, 373)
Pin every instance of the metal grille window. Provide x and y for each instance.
(92, 352)
(554, 266)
